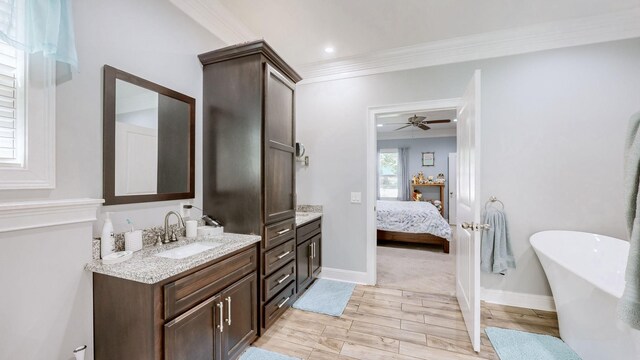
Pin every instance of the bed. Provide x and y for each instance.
(412, 221)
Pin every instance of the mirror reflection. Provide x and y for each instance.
(149, 141)
(152, 142)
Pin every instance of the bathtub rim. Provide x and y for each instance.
(538, 234)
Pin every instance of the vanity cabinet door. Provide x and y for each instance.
(303, 266)
(240, 316)
(316, 262)
(195, 335)
(279, 184)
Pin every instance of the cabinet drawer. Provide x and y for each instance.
(306, 231)
(279, 279)
(278, 256)
(278, 233)
(278, 305)
(183, 293)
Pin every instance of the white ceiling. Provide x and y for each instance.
(299, 30)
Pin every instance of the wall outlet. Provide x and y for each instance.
(356, 197)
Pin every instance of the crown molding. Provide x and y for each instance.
(216, 18)
(575, 32)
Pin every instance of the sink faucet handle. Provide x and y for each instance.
(173, 236)
(158, 240)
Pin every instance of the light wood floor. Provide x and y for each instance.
(384, 323)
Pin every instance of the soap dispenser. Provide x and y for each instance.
(107, 242)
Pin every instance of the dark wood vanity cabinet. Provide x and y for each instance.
(209, 312)
(249, 156)
(308, 254)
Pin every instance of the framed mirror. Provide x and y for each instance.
(149, 141)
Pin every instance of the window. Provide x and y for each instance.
(27, 120)
(388, 184)
(12, 112)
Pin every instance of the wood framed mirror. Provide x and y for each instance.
(148, 141)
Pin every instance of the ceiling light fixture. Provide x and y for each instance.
(329, 50)
(380, 125)
(455, 120)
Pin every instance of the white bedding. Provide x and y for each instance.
(412, 217)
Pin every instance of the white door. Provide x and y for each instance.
(452, 186)
(468, 210)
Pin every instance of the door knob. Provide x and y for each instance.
(475, 227)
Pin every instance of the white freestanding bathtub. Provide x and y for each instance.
(586, 275)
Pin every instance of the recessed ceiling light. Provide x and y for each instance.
(329, 49)
(455, 120)
(380, 125)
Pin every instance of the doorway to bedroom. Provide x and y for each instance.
(415, 189)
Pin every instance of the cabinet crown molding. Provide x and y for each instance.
(247, 49)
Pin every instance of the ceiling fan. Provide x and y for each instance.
(419, 121)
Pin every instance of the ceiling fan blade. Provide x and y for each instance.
(423, 127)
(437, 121)
(402, 127)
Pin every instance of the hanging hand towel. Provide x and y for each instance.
(629, 305)
(496, 255)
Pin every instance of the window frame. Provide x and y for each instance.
(38, 168)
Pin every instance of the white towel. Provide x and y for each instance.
(496, 256)
(629, 305)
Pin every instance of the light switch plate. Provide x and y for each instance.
(356, 197)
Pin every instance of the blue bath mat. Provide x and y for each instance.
(328, 297)
(254, 353)
(518, 345)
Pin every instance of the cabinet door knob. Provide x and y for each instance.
(228, 310)
(220, 308)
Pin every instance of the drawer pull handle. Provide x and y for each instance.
(283, 278)
(228, 310)
(283, 302)
(221, 325)
(284, 231)
(283, 255)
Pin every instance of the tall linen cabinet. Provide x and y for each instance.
(249, 160)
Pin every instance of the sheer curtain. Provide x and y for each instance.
(403, 174)
(48, 28)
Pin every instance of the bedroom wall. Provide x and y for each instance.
(552, 145)
(46, 304)
(441, 146)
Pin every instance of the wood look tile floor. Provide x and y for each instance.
(396, 322)
(383, 323)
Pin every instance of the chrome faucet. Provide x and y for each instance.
(166, 226)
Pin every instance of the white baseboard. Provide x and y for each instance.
(537, 302)
(344, 275)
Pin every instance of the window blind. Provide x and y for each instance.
(9, 127)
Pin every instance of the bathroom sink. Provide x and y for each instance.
(188, 250)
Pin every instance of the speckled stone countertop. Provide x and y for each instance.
(146, 268)
(305, 217)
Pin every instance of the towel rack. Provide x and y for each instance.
(492, 200)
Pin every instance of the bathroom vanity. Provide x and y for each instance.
(308, 249)
(201, 306)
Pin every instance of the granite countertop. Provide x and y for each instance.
(305, 217)
(146, 268)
